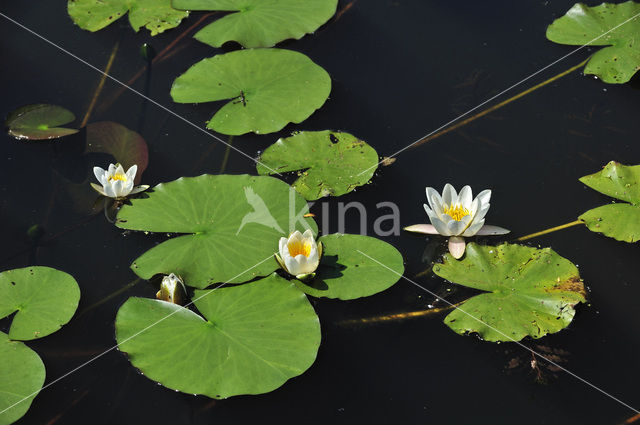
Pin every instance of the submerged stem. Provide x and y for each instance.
(110, 296)
(96, 95)
(397, 316)
(226, 156)
(551, 230)
(499, 105)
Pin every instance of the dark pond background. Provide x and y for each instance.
(400, 69)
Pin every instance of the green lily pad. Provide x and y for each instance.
(126, 146)
(40, 122)
(252, 339)
(332, 163)
(260, 23)
(616, 63)
(156, 15)
(269, 88)
(619, 221)
(229, 225)
(44, 299)
(346, 273)
(22, 374)
(528, 291)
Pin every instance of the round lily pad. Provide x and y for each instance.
(268, 89)
(43, 298)
(156, 15)
(252, 339)
(260, 23)
(22, 374)
(330, 162)
(528, 291)
(346, 273)
(228, 226)
(40, 122)
(619, 221)
(582, 24)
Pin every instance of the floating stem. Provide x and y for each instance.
(551, 230)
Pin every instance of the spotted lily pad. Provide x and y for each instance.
(251, 340)
(527, 291)
(126, 146)
(620, 221)
(22, 374)
(583, 25)
(260, 23)
(156, 15)
(40, 122)
(43, 298)
(354, 266)
(268, 89)
(330, 162)
(228, 227)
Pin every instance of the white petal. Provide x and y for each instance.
(441, 227)
(131, 172)
(457, 246)
(138, 189)
(108, 190)
(308, 235)
(449, 195)
(112, 170)
(100, 174)
(435, 201)
(456, 227)
(120, 170)
(98, 189)
(118, 188)
(292, 265)
(427, 229)
(484, 196)
(295, 236)
(465, 197)
(492, 230)
(473, 228)
(128, 186)
(282, 247)
(482, 211)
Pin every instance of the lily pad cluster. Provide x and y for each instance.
(252, 337)
(43, 299)
(526, 291)
(615, 26)
(619, 220)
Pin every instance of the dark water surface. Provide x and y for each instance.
(400, 69)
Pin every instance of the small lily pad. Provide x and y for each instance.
(260, 23)
(43, 298)
(528, 291)
(345, 272)
(40, 122)
(620, 221)
(268, 89)
(22, 375)
(331, 163)
(228, 227)
(126, 146)
(582, 24)
(156, 15)
(252, 339)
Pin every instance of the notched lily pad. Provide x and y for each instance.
(268, 89)
(528, 291)
(126, 146)
(252, 339)
(228, 227)
(156, 15)
(40, 122)
(43, 298)
(620, 221)
(346, 271)
(22, 375)
(616, 63)
(260, 23)
(330, 162)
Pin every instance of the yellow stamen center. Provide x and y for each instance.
(121, 177)
(456, 212)
(297, 248)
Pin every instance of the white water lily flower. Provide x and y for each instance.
(457, 216)
(115, 182)
(299, 255)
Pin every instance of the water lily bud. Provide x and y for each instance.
(172, 290)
